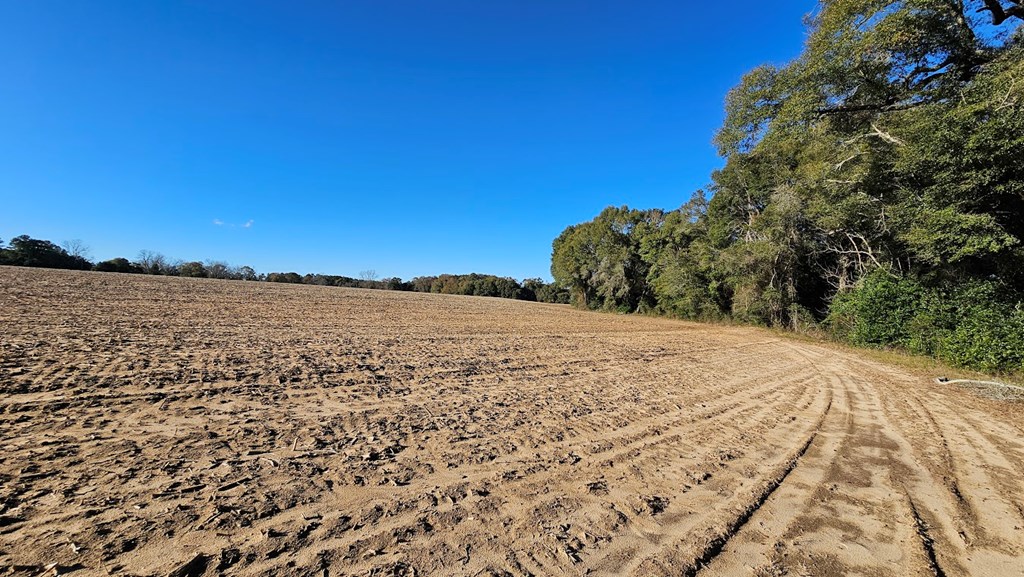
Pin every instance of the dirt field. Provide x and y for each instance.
(161, 426)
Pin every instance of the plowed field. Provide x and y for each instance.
(163, 426)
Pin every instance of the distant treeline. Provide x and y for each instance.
(484, 285)
(26, 251)
(873, 190)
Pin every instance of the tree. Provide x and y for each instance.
(218, 269)
(396, 284)
(423, 284)
(685, 271)
(874, 185)
(118, 264)
(535, 289)
(552, 293)
(153, 263)
(76, 248)
(27, 251)
(284, 277)
(599, 262)
(530, 288)
(247, 273)
(818, 189)
(194, 269)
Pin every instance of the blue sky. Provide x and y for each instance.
(408, 137)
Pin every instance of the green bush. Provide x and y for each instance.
(878, 312)
(978, 325)
(989, 336)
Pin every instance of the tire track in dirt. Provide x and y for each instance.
(927, 542)
(858, 504)
(771, 543)
(939, 461)
(629, 548)
(779, 511)
(976, 527)
(639, 554)
(940, 485)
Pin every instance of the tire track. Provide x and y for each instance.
(824, 493)
(927, 543)
(775, 518)
(679, 551)
(717, 544)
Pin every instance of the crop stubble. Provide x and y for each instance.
(164, 426)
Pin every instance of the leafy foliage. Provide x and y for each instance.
(873, 187)
(118, 264)
(27, 251)
(599, 262)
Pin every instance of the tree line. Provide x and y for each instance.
(873, 190)
(26, 251)
(473, 284)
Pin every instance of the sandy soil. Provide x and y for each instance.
(153, 426)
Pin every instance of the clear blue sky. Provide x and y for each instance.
(409, 137)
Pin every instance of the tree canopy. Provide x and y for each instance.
(27, 251)
(882, 166)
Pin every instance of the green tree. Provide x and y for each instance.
(247, 273)
(194, 269)
(599, 262)
(284, 277)
(118, 264)
(27, 251)
(874, 183)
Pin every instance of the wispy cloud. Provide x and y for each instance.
(247, 224)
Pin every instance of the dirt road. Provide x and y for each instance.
(162, 426)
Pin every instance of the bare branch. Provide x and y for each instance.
(1000, 14)
(886, 136)
(847, 159)
(1007, 101)
(932, 73)
(76, 248)
(889, 106)
(876, 132)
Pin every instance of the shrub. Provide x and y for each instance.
(988, 333)
(979, 324)
(878, 312)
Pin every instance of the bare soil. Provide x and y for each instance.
(164, 426)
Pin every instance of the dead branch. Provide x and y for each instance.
(886, 136)
(1000, 14)
(1007, 101)
(848, 159)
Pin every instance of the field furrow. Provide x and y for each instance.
(159, 426)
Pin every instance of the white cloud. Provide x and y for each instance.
(248, 223)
